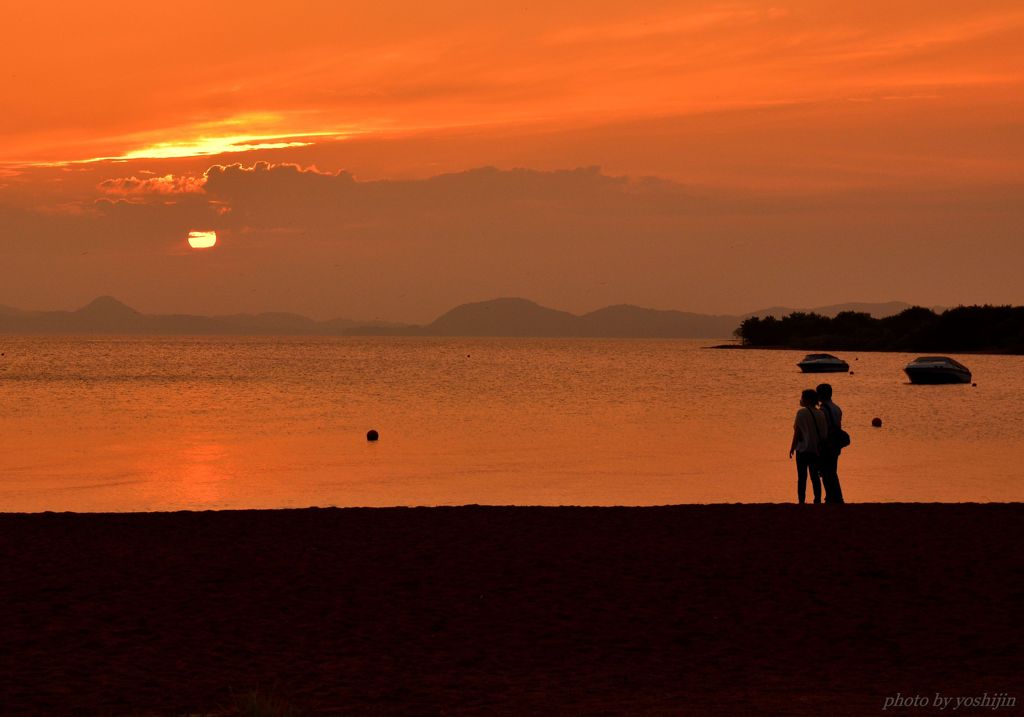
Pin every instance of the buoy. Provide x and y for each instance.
(372, 435)
(876, 422)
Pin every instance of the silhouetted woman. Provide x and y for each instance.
(810, 428)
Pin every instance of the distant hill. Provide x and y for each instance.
(107, 315)
(521, 317)
(497, 317)
(503, 317)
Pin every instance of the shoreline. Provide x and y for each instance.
(705, 609)
(726, 347)
(480, 506)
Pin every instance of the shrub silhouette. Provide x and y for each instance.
(997, 329)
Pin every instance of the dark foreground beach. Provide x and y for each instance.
(703, 610)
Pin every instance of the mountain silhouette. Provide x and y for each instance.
(108, 308)
(497, 317)
(503, 317)
(107, 314)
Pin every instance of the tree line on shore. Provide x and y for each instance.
(996, 329)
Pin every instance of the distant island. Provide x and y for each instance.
(964, 329)
(507, 317)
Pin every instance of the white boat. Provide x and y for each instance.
(937, 369)
(823, 363)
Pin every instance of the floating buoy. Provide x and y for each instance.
(876, 422)
(372, 435)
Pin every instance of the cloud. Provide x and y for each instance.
(168, 184)
(297, 196)
(323, 243)
(288, 200)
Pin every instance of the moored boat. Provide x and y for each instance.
(937, 369)
(823, 363)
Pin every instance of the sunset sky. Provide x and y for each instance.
(392, 159)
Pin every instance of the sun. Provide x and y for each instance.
(202, 239)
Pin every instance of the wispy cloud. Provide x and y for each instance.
(201, 145)
(230, 135)
(665, 25)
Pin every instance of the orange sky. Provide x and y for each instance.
(898, 125)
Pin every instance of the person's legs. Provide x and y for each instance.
(825, 466)
(815, 471)
(806, 465)
(801, 477)
(837, 490)
(830, 477)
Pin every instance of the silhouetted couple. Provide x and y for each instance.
(816, 445)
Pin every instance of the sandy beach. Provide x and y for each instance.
(705, 610)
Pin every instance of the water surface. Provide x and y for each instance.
(130, 423)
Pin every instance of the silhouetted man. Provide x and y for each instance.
(829, 464)
(809, 428)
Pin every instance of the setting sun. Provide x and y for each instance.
(202, 240)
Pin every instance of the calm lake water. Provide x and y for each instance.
(126, 424)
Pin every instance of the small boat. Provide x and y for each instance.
(823, 363)
(937, 369)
